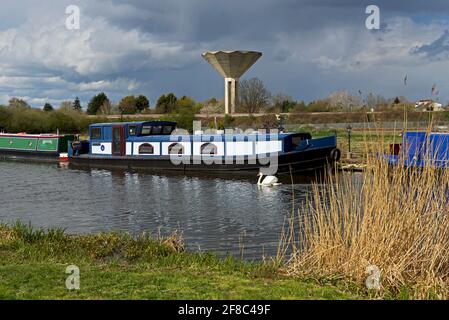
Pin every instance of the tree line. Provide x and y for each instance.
(71, 117)
(254, 97)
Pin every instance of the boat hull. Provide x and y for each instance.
(285, 163)
(29, 155)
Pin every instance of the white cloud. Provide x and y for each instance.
(101, 53)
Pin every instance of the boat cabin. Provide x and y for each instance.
(156, 138)
(35, 143)
(421, 149)
(112, 138)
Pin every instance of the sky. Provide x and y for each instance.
(310, 48)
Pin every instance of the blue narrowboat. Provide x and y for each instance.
(420, 149)
(160, 145)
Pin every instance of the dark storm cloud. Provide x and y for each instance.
(310, 48)
(439, 49)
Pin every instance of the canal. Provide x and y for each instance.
(222, 214)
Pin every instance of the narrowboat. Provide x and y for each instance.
(420, 149)
(34, 146)
(160, 145)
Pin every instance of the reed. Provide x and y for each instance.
(393, 218)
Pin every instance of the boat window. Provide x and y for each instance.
(296, 141)
(146, 130)
(175, 148)
(146, 148)
(167, 130)
(95, 133)
(132, 130)
(209, 148)
(156, 130)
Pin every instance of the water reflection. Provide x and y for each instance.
(214, 212)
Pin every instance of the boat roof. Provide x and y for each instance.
(25, 135)
(149, 123)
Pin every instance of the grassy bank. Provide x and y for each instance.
(116, 266)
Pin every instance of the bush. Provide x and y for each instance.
(15, 120)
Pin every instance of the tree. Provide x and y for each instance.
(142, 103)
(77, 105)
(48, 107)
(253, 95)
(282, 103)
(96, 102)
(106, 108)
(166, 103)
(66, 105)
(127, 105)
(185, 102)
(18, 103)
(299, 107)
(319, 105)
(342, 100)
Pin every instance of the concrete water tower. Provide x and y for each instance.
(231, 65)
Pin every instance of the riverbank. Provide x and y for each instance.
(115, 266)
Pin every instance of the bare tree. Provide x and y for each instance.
(106, 108)
(66, 105)
(253, 95)
(342, 100)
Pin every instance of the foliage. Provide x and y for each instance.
(77, 105)
(184, 117)
(96, 102)
(299, 107)
(66, 105)
(32, 120)
(268, 121)
(166, 103)
(228, 121)
(47, 107)
(127, 105)
(106, 108)
(142, 103)
(282, 103)
(18, 103)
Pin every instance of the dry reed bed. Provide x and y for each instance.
(394, 218)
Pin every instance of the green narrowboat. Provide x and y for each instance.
(40, 146)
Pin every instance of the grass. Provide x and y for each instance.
(395, 219)
(116, 266)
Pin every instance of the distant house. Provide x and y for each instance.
(428, 105)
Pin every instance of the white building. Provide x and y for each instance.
(428, 105)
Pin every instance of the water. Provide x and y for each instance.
(214, 213)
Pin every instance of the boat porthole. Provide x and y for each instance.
(10, 142)
(209, 148)
(175, 148)
(102, 148)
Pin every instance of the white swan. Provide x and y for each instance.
(268, 181)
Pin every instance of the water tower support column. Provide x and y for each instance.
(231, 94)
